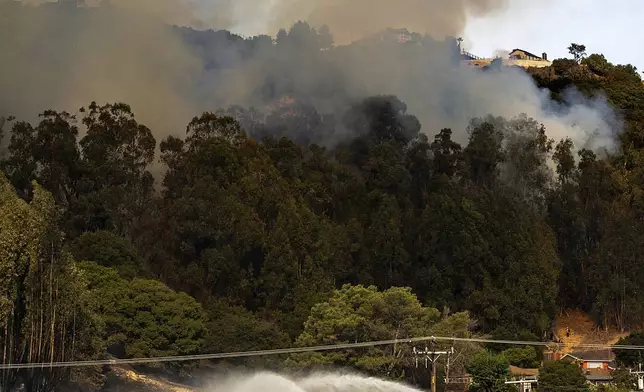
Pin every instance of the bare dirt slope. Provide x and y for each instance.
(583, 331)
(138, 382)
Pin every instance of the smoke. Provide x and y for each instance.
(439, 92)
(501, 53)
(59, 56)
(351, 20)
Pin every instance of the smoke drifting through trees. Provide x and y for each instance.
(62, 57)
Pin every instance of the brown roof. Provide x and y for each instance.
(517, 371)
(526, 52)
(598, 374)
(595, 355)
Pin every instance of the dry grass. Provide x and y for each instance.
(583, 331)
(150, 382)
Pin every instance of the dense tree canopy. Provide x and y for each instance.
(144, 318)
(489, 372)
(631, 358)
(44, 315)
(560, 375)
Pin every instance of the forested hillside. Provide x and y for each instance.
(259, 219)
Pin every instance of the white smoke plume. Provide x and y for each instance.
(319, 382)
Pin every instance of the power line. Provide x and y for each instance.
(432, 355)
(295, 350)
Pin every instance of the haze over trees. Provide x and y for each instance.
(393, 230)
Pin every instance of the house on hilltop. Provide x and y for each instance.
(517, 57)
(520, 54)
(523, 58)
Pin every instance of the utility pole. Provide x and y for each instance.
(525, 385)
(431, 355)
(640, 377)
(447, 368)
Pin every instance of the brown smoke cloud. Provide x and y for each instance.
(58, 56)
(177, 12)
(354, 19)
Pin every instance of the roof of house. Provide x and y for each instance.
(598, 375)
(595, 355)
(526, 52)
(517, 371)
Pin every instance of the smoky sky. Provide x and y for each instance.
(62, 57)
(354, 19)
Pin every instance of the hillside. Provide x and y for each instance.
(127, 378)
(583, 331)
(390, 193)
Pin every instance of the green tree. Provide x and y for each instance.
(47, 153)
(527, 150)
(144, 318)
(557, 375)
(458, 325)
(233, 328)
(578, 51)
(489, 372)
(597, 64)
(630, 358)
(43, 313)
(116, 152)
(524, 357)
(239, 228)
(301, 255)
(615, 272)
(109, 250)
(447, 154)
(484, 152)
(382, 118)
(208, 212)
(623, 380)
(358, 313)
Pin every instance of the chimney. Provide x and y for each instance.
(544, 56)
